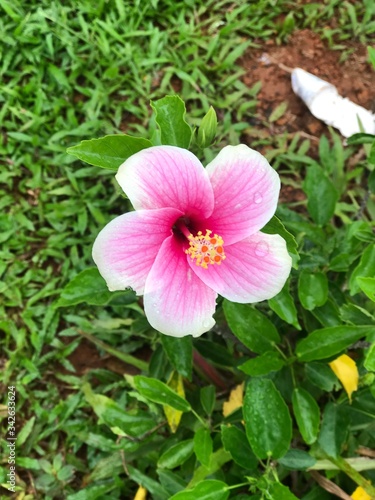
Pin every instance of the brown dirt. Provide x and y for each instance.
(87, 357)
(353, 77)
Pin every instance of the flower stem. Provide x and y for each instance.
(205, 424)
(346, 467)
(357, 463)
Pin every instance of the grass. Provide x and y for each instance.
(77, 70)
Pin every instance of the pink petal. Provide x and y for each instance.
(255, 269)
(126, 248)
(167, 176)
(176, 301)
(246, 190)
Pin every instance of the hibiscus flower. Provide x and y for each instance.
(194, 234)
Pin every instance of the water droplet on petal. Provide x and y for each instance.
(261, 250)
(258, 198)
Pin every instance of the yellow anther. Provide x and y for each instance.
(206, 249)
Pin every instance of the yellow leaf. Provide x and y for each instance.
(235, 400)
(346, 371)
(175, 382)
(3, 411)
(141, 493)
(360, 494)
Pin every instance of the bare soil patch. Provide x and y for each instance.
(87, 357)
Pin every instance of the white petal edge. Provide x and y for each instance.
(126, 248)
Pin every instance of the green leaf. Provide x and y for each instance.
(59, 76)
(114, 416)
(208, 398)
(235, 442)
(205, 490)
(267, 362)
(88, 286)
(280, 492)
(171, 481)
(297, 460)
(251, 327)
(335, 426)
(65, 473)
(369, 362)
(365, 269)
(176, 455)
(219, 356)
(275, 226)
(203, 446)
(7, 6)
(307, 413)
(361, 138)
(288, 23)
(371, 177)
(325, 155)
(337, 170)
(233, 54)
(278, 112)
(321, 195)
(170, 114)
(156, 490)
(324, 343)
(158, 392)
(371, 56)
(92, 492)
(25, 432)
(371, 160)
(106, 467)
(321, 376)
(367, 285)
(350, 313)
(110, 151)
(57, 462)
(267, 420)
(180, 353)
(328, 314)
(159, 364)
(28, 463)
(312, 289)
(218, 459)
(283, 305)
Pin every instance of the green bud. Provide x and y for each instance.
(367, 380)
(207, 129)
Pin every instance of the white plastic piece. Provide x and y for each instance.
(325, 103)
